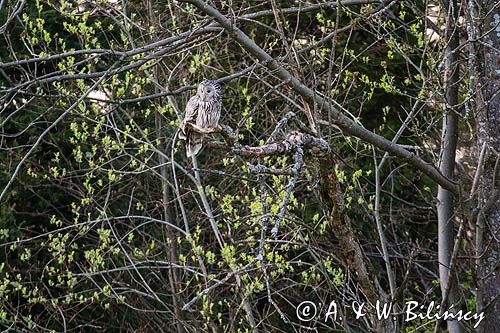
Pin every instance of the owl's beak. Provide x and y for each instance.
(204, 97)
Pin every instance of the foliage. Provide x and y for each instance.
(105, 227)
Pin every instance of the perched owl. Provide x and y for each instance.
(203, 110)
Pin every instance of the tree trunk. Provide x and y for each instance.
(488, 127)
(445, 202)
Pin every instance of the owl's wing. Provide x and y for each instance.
(190, 115)
(216, 116)
(191, 110)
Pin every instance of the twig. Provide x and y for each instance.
(298, 156)
(205, 291)
(380, 229)
(206, 205)
(479, 170)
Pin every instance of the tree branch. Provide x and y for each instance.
(345, 123)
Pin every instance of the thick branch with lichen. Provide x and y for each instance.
(315, 146)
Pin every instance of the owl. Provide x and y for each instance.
(203, 110)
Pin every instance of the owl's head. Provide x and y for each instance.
(209, 90)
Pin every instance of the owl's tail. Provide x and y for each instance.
(193, 144)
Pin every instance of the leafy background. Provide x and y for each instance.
(104, 227)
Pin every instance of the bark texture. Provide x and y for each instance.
(488, 128)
